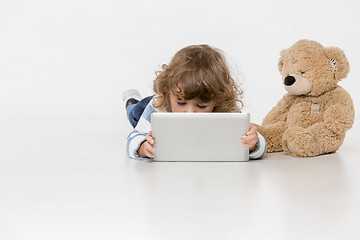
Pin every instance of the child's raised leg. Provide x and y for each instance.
(134, 106)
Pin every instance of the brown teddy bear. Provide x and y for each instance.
(312, 118)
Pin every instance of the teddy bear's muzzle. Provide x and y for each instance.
(297, 84)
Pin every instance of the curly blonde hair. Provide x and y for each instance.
(198, 71)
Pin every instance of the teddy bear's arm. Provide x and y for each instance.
(339, 113)
(279, 112)
(339, 117)
(273, 135)
(274, 124)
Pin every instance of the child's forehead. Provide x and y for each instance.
(182, 98)
(186, 91)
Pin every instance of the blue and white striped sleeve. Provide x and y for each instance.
(137, 136)
(260, 150)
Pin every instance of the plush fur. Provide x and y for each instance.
(313, 117)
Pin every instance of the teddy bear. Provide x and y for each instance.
(313, 116)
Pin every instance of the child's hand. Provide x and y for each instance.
(147, 149)
(250, 139)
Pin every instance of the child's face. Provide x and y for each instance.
(194, 105)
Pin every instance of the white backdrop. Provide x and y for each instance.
(63, 168)
(73, 59)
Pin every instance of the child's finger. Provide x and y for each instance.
(149, 147)
(150, 139)
(252, 129)
(249, 141)
(149, 154)
(252, 137)
(149, 150)
(249, 138)
(249, 145)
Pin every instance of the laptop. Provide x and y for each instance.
(200, 137)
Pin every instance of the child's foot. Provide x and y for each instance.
(130, 97)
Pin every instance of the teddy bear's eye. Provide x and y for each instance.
(302, 72)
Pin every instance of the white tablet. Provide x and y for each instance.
(200, 136)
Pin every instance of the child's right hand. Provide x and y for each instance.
(147, 149)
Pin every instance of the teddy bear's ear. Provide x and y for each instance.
(338, 62)
(281, 59)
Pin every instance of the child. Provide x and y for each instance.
(196, 80)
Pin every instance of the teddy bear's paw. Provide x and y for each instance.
(290, 148)
(299, 142)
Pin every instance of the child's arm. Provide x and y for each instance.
(138, 137)
(147, 149)
(255, 142)
(250, 139)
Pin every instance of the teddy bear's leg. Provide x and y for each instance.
(301, 142)
(298, 142)
(273, 135)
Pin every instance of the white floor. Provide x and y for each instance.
(71, 179)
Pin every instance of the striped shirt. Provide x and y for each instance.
(137, 136)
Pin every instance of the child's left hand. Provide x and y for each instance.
(250, 139)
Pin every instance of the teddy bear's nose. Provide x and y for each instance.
(289, 80)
